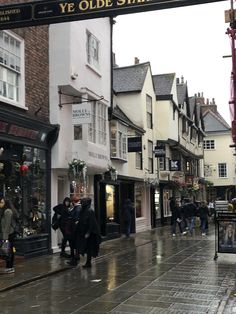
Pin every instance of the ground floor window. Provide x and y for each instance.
(157, 204)
(23, 182)
(138, 200)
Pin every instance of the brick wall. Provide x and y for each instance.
(36, 69)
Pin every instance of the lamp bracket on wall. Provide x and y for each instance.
(77, 99)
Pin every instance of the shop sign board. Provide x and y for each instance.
(81, 113)
(134, 144)
(48, 12)
(160, 150)
(174, 165)
(226, 232)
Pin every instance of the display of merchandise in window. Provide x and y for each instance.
(23, 182)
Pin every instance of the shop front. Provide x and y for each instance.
(109, 199)
(25, 146)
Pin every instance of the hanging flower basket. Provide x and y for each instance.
(111, 173)
(77, 168)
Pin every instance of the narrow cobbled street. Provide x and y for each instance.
(149, 273)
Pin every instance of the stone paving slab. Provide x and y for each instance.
(149, 273)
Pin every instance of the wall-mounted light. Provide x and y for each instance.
(74, 76)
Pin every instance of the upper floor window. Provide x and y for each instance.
(93, 47)
(222, 170)
(193, 133)
(209, 144)
(149, 111)
(184, 125)
(161, 163)
(139, 160)
(150, 157)
(97, 130)
(118, 140)
(11, 68)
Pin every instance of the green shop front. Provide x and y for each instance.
(25, 154)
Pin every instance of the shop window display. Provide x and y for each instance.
(23, 182)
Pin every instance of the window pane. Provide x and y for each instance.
(222, 171)
(77, 132)
(10, 52)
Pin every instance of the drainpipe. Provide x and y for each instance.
(110, 111)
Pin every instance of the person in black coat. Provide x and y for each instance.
(176, 216)
(88, 236)
(59, 220)
(203, 214)
(128, 212)
(70, 230)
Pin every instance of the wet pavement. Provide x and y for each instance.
(149, 273)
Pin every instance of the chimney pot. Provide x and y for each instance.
(136, 60)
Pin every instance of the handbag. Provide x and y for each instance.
(4, 248)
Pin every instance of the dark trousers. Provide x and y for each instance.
(127, 225)
(10, 258)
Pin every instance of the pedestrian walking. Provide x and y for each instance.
(128, 212)
(7, 232)
(87, 232)
(190, 211)
(59, 220)
(71, 230)
(176, 216)
(203, 214)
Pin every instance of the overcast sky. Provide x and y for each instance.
(189, 41)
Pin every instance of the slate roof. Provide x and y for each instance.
(192, 106)
(163, 83)
(130, 78)
(182, 93)
(214, 122)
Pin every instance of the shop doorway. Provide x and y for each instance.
(109, 213)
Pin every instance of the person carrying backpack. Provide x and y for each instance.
(7, 232)
(59, 220)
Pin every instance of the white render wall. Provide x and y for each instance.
(68, 57)
(221, 154)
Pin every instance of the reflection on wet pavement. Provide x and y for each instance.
(151, 273)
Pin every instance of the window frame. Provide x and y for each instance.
(209, 145)
(118, 140)
(149, 111)
(150, 157)
(225, 172)
(7, 69)
(93, 53)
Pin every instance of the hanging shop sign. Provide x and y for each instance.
(81, 113)
(174, 165)
(49, 12)
(134, 144)
(160, 150)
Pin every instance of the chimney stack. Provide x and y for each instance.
(136, 60)
(182, 79)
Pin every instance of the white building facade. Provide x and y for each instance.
(79, 80)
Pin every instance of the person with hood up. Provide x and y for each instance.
(88, 236)
(59, 220)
